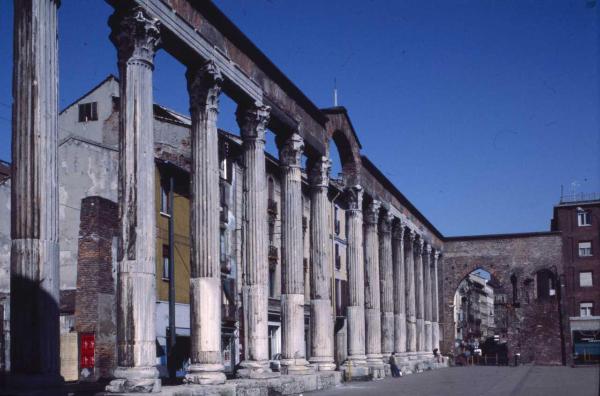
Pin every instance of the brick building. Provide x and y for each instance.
(577, 217)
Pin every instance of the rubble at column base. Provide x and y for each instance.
(282, 385)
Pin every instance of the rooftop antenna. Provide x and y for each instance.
(335, 101)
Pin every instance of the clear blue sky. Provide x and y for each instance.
(477, 110)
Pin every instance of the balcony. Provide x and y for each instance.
(580, 197)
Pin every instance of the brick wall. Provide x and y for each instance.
(95, 301)
(533, 323)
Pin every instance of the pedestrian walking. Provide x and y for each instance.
(394, 366)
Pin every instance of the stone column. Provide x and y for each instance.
(355, 311)
(292, 278)
(372, 295)
(136, 37)
(321, 311)
(399, 289)
(411, 313)
(34, 299)
(204, 86)
(435, 325)
(427, 291)
(386, 276)
(420, 293)
(253, 122)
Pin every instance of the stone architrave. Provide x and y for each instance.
(411, 313)
(386, 276)
(34, 283)
(253, 122)
(293, 355)
(357, 360)
(372, 294)
(321, 311)
(435, 325)
(136, 36)
(420, 294)
(204, 87)
(399, 288)
(427, 286)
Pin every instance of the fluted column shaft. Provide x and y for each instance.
(356, 278)
(136, 37)
(253, 122)
(427, 291)
(420, 294)
(292, 285)
(372, 293)
(204, 86)
(435, 305)
(411, 313)
(386, 276)
(399, 288)
(321, 311)
(34, 312)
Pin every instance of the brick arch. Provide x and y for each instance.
(533, 325)
(342, 135)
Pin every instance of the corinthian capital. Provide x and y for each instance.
(398, 230)
(385, 224)
(319, 172)
(428, 248)
(135, 34)
(372, 212)
(204, 87)
(419, 245)
(412, 236)
(290, 153)
(354, 197)
(253, 120)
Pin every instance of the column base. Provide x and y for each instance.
(135, 380)
(253, 369)
(324, 363)
(205, 374)
(295, 367)
(356, 369)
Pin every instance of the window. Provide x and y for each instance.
(585, 249)
(584, 218)
(585, 279)
(164, 198)
(88, 112)
(338, 258)
(585, 308)
(545, 283)
(272, 281)
(166, 263)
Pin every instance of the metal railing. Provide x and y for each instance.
(580, 197)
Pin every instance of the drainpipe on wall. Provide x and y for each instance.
(171, 364)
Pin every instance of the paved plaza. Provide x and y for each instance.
(483, 381)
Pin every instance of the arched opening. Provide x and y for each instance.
(480, 327)
(545, 282)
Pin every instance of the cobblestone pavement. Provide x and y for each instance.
(483, 381)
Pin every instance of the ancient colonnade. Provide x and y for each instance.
(392, 270)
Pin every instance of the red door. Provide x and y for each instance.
(87, 347)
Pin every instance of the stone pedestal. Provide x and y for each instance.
(136, 37)
(34, 283)
(321, 311)
(253, 121)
